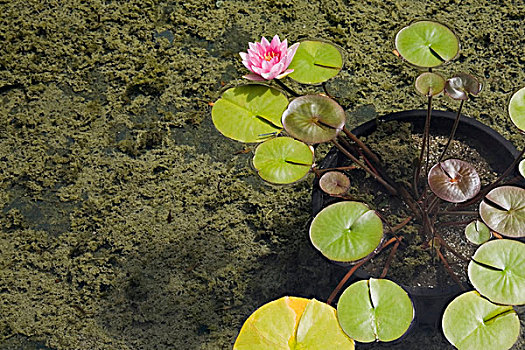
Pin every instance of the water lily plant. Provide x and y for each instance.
(286, 126)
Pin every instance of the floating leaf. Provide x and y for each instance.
(497, 271)
(314, 118)
(460, 86)
(427, 44)
(315, 62)
(477, 232)
(292, 323)
(249, 113)
(283, 160)
(454, 180)
(375, 309)
(430, 84)
(517, 109)
(334, 182)
(346, 231)
(472, 322)
(521, 167)
(503, 210)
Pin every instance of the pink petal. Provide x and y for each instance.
(284, 46)
(274, 45)
(252, 46)
(264, 43)
(290, 54)
(273, 72)
(244, 56)
(283, 74)
(254, 77)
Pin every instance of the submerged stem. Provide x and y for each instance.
(426, 132)
(453, 131)
(286, 88)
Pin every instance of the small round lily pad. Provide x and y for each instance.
(521, 167)
(375, 310)
(472, 322)
(460, 86)
(249, 113)
(430, 84)
(503, 210)
(283, 160)
(427, 44)
(293, 323)
(315, 62)
(346, 231)
(497, 271)
(313, 119)
(334, 183)
(477, 232)
(454, 180)
(517, 109)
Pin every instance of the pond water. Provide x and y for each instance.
(126, 220)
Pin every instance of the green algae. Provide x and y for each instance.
(126, 220)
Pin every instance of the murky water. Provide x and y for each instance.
(126, 220)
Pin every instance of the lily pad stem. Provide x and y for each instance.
(452, 132)
(417, 170)
(361, 145)
(389, 187)
(286, 88)
(354, 269)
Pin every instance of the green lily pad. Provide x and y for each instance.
(430, 84)
(313, 119)
(283, 160)
(454, 180)
(346, 231)
(503, 210)
(427, 44)
(249, 113)
(375, 309)
(472, 322)
(334, 183)
(497, 271)
(521, 167)
(477, 232)
(315, 62)
(460, 86)
(517, 109)
(292, 323)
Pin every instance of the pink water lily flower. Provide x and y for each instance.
(267, 60)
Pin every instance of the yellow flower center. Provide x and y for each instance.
(269, 55)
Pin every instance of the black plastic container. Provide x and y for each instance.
(429, 303)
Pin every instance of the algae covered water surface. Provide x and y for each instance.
(126, 220)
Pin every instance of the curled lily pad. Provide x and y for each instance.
(346, 231)
(283, 160)
(249, 113)
(454, 180)
(517, 109)
(477, 232)
(334, 183)
(521, 168)
(430, 84)
(472, 322)
(315, 62)
(293, 323)
(375, 309)
(313, 118)
(427, 44)
(497, 271)
(460, 86)
(503, 210)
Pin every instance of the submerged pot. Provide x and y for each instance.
(429, 303)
